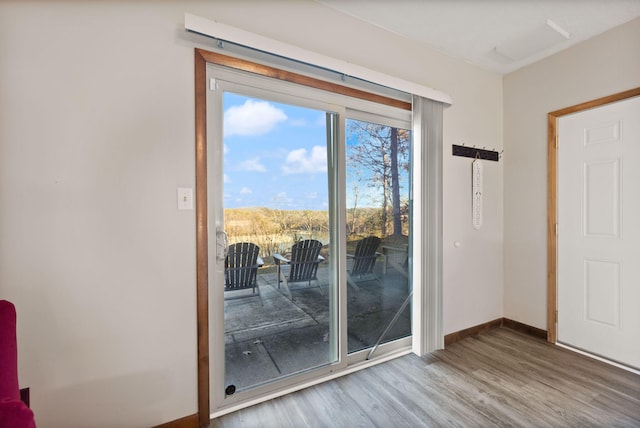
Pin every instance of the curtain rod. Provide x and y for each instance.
(207, 27)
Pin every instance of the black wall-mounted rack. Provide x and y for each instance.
(472, 152)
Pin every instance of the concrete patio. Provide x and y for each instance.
(283, 337)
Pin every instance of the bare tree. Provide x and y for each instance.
(395, 182)
(354, 208)
(383, 151)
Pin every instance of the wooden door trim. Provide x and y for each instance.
(552, 200)
(300, 79)
(202, 245)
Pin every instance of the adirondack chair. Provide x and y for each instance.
(302, 266)
(363, 261)
(241, 270)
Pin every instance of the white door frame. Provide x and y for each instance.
(552, 201)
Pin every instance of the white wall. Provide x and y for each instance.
(96, 134)
(601, 66)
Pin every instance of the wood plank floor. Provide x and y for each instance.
(499, 378)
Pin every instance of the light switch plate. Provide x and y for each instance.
(185, 198)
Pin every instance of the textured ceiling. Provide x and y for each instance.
(498, 35)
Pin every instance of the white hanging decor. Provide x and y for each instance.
(476, 193)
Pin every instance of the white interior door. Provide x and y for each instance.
(599, 231)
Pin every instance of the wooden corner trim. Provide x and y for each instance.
(190, 421)
(524, 328)
(471, 331)
(490, 325)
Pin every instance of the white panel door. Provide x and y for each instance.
(599, 231)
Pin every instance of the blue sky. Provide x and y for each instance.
(274, 155)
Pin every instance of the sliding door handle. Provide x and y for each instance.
(222, 244)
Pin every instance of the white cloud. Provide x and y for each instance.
(282, 199)
(299, 161)
(299, 123)
(226, 178)
(252, 118)
(252, 165)
(246, 191)
(312, 195)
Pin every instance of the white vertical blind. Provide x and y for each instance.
(427, 238)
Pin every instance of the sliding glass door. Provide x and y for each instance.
(309, 216)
